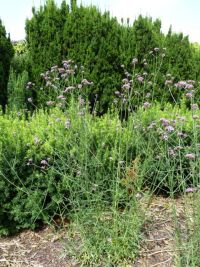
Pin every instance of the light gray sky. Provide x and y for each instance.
(183, 15)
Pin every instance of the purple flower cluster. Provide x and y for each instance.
(189, 95)
(44, 163)
(190, 156)
(152, 125)
(169, 128)
(194, 106)
(50, 103)
(195, 117)
(164, 122)
(181, 84)
(30, 162)
(140, 78)
(86, 82)
(134, 61)
(146, 105)
(188, 86)
(30, 85)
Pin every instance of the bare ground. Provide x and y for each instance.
(44, 248)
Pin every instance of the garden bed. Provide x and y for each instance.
(46, 247)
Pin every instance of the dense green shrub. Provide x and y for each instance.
(42, 161)
(102, 45)
(6, 54)
(171, 160)
(64, 158)
(17, 90)
(56, 162)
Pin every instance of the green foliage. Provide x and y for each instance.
(102, 45)
(6, 54)
(166, 167)
(21, 60)
(180, 57)
(147, 36)
(105, 237)
(16, 90)
(20, 47)
(55, 163)
(41, 161)
(45, 37)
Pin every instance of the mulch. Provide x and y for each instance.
(45, 248)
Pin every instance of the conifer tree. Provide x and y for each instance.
(44, 37)
(6, 54)
(179, 58)
(145, 32)
(102, 45)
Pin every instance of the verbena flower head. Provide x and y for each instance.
(61, 70)
(126, 86)
(48, 84)
(68, 123)
(30, 85)
(190, 189)
(117, 93)
(86, 82)
(50, 103)
(189, 95)
(125, 80)
(180, 84)
(44, 162)
(150, 83)
(195, 117)
(134, 61)
(194, 106)
(169, 128)
(30, 161)
(171, 152)
(190, 156)
(165, 137)
(181, 134)
(165, 122)
(191, 81)
(69, 89)
(148, 95)
(189, 86)
(146, 104)
(140, 78)
(54, 68)
(81, 101)
(152, 125)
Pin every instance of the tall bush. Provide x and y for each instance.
(6, 54)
